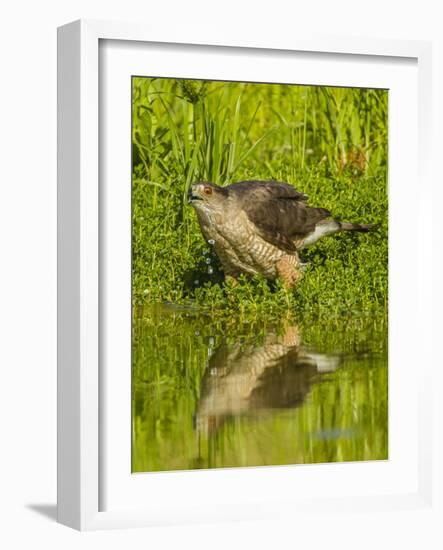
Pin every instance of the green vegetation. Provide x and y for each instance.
(191, 332)
(330, 143)
(342, 415)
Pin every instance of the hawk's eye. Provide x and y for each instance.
(207, 191)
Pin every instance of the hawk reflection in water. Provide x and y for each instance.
(249, 379)
(259, 227)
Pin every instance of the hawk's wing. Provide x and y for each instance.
(278, 211)
(262, 190)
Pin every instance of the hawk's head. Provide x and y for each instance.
(207, 196)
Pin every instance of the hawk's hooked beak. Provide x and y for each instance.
(192, 196)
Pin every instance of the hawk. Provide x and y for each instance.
(259, 227)
(250, 378)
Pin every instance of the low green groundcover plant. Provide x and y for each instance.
(330, 143)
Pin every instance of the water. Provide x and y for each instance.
(209, 394)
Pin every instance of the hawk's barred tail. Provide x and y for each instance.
(362, 227)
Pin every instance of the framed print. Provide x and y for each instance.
(242, 258)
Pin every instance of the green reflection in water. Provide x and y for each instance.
(213, 394)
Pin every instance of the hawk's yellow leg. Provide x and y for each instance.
(289, 270)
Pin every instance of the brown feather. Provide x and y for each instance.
(265, 190)
(277, 210)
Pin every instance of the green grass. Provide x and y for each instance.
(330, 143)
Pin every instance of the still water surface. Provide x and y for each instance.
(212, 394)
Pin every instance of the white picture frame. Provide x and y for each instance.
(81, 462)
